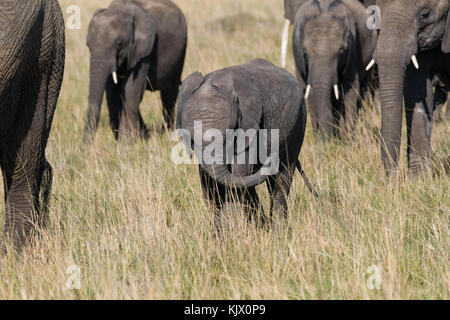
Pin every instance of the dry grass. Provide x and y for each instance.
(137, 227)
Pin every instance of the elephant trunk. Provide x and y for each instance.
(391, 96)
(222, 174)
(99, 74)
(394, 52)
(321, 110)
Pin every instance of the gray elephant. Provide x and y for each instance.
(32, 53)
(413, 47)
(332, 47)
(252, 97)
(135, 45)
(290, 10)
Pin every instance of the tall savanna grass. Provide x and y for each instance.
(135, 225)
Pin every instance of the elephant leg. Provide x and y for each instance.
(214, 194)
(131, 123)
(248, 197)
(279, 187)
(253, 206)
(419, 107)
(24, 166)
(169, 99)
(115, 106)
(20, 194)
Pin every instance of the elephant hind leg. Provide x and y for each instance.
(22, 180)
(169, 99)
(28, 183)
(279, 187)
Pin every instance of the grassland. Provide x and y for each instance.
(136, 226)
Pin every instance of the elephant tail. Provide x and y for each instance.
(305, 178)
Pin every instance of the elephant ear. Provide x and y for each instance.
(367, 38)
(354, 46)
(90, 34)
(301, 58)
(247, 101)
(143, 38)
(99, 11)
(245, 97)
(446, 38)
(188, 87)
(291, 7)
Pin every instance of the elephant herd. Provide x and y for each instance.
(139, 45)
(411, 49)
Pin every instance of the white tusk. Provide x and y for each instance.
(370, 65)
(114, 75)
(415, 62)
(308, 90)
(284, 42)
(336, 91)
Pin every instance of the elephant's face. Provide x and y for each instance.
(208, 107)
(110, 38)
(325, 47)
(218, 102)
(412, 26)
(291, 7)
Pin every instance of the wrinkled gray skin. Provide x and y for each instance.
(441, 98)
(291, 7)
(419, 27)
(31, 70)
(332, 45)
(144, 41)
(255, 95)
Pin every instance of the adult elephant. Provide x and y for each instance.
(332, 47)
(413, 46)
(32, 50)
(135, 45)
(265, 105)
(290, 10)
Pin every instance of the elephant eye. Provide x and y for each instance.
(118, 44)
(425, 14)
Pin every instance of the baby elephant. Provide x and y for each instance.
(332, 47)
(135, 45)
(246, 125)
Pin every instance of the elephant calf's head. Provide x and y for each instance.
(119, 38)
(207, 108)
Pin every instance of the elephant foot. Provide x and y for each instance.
(420, 165)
